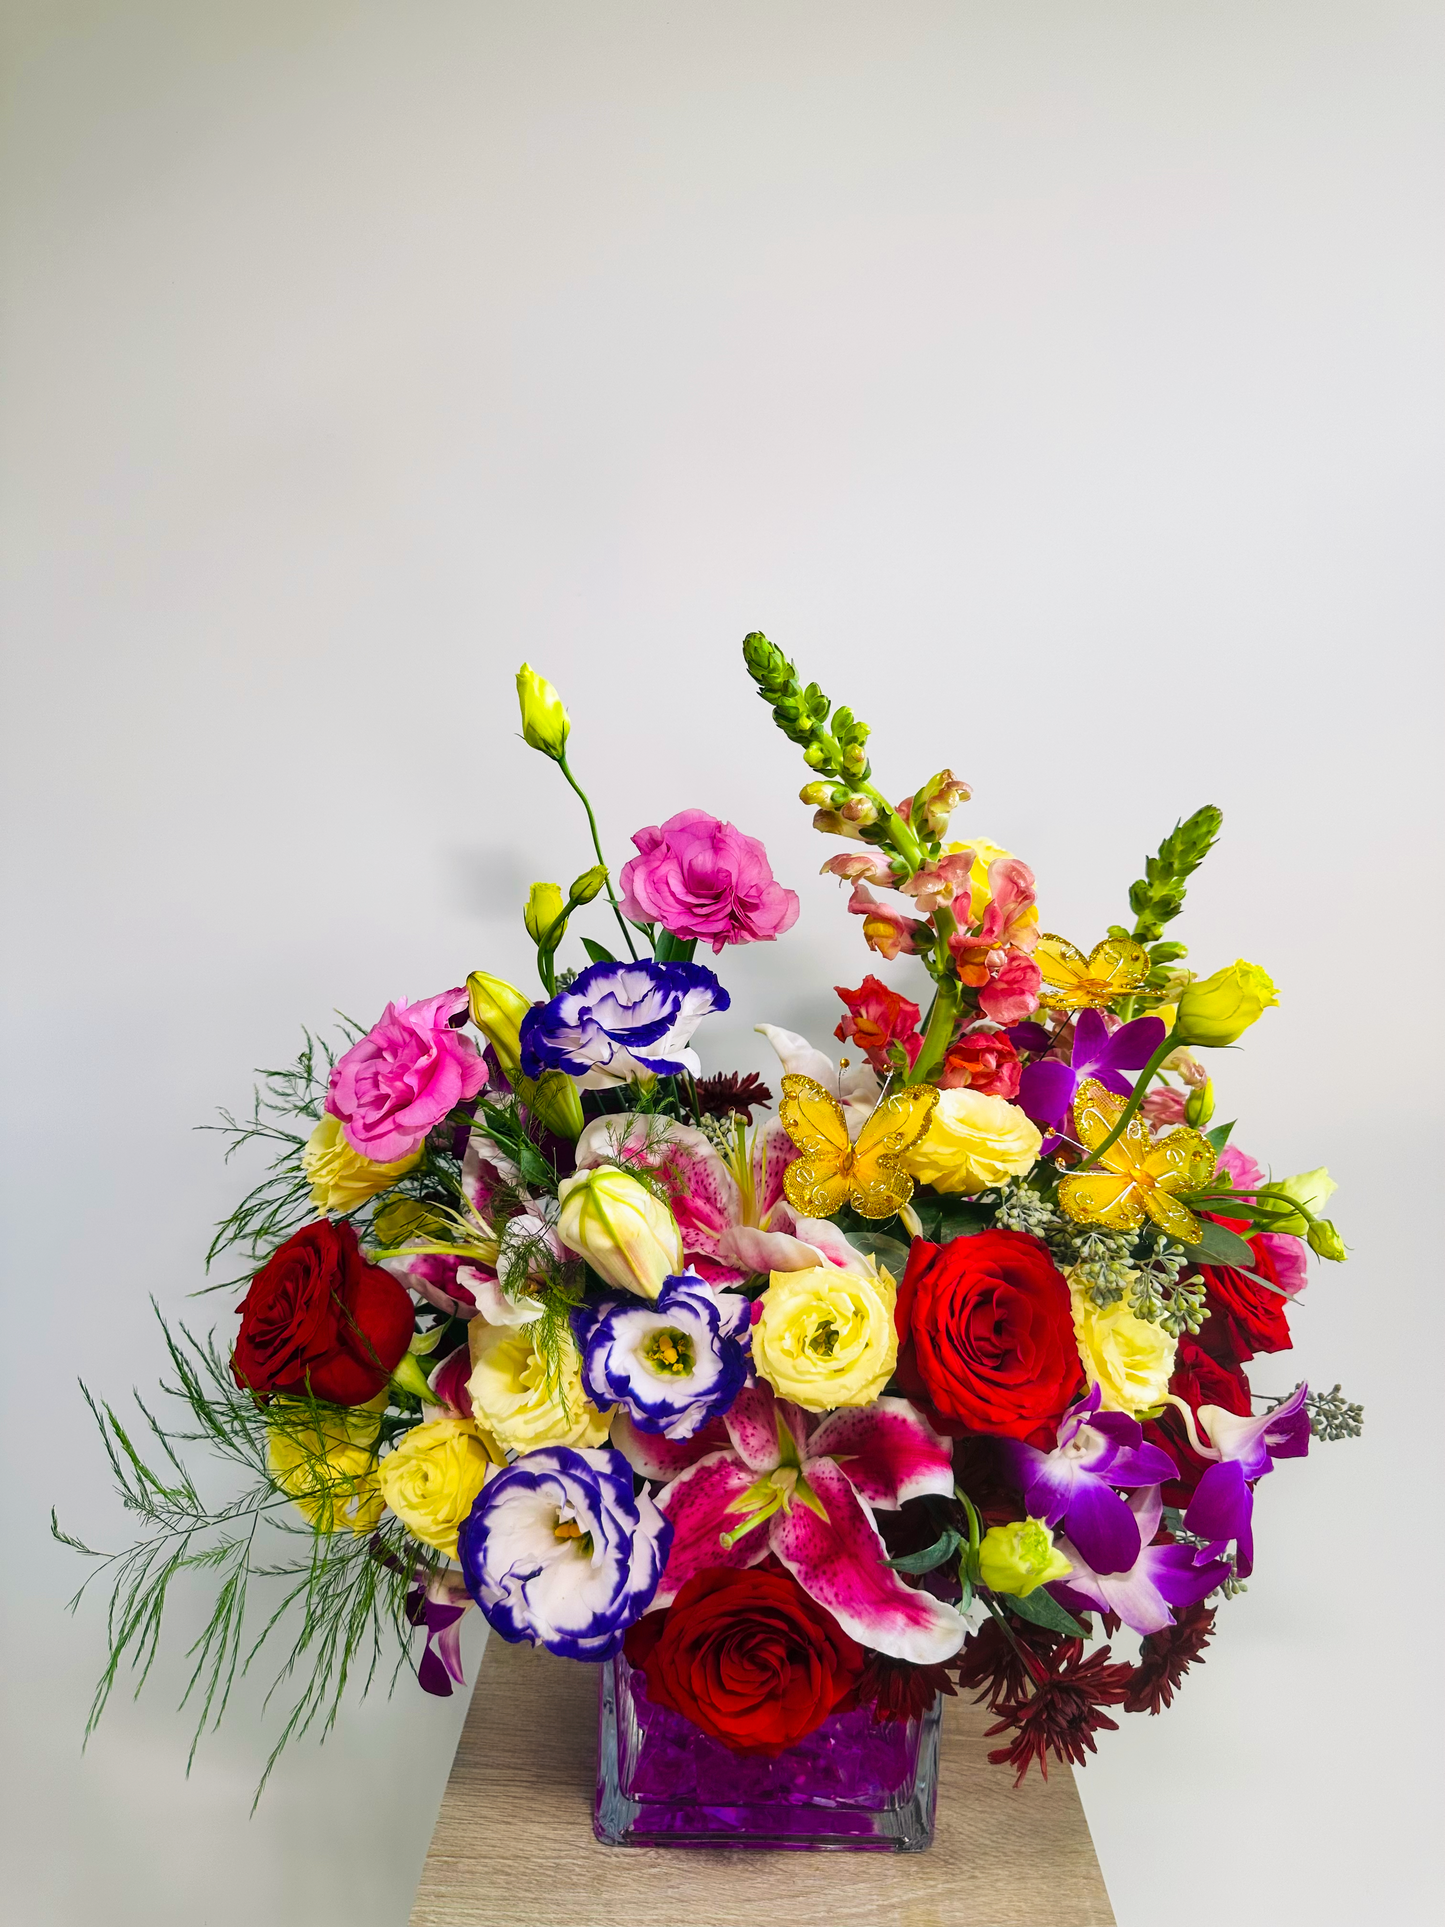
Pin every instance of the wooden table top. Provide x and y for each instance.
(513, 1845)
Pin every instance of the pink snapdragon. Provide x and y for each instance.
(704, 880)
(412, 1067)
(887, 928)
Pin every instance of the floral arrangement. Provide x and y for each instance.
(935, 1377)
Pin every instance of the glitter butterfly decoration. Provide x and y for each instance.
(1112, 969)
(1136, 1177)
(833, 1171)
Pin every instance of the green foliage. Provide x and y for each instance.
(938, 1554)
(1158, 896)
(281, 1202)
(1042, 1609)
(945, 1218)
(350, 1591)
(802, 714)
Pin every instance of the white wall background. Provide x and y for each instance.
(1061, 383)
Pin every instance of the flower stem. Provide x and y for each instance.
(597, 846)
(1136, 1098)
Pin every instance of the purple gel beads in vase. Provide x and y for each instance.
(851, 1784)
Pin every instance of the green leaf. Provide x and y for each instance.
(534, 1167)
(1042, 1609)
(1217, 1246)
(944, 1219)
(937, 1554)
(1219, 1136)
(671, 949)
(877, 1244)
(599, 953)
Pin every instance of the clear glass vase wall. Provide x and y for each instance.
(851, 1785)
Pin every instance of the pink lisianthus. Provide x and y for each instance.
(411, 1068)
(704, 880)
(1290, 1255)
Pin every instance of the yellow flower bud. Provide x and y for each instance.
(325, 1459)
(526, 1397)
(1326, 1242)
(545, 905)
(974, 1141)
(497, 1011)
(590, 884)
(1020, 1557)
(625, 1233)
(1310, 1189)
(432, 1478)
(816, 795)
(1129, 1358)
(1199, 1105)
(1218, 1010)
(545, 723)
(827, 1337)
(342, 1178)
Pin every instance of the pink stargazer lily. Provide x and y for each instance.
(731, 1211)
(805, 1492)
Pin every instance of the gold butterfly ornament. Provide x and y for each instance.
(1136, 1177)
(1113, 968)
(835, 1170)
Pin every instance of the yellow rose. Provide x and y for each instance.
(1018, 1558)
(1218, 1010)
(974, 1142)
(325, 1459)
(826, 1337)
(433, 1476)
(1130, 1359)
(523, 1403)
(342, 1178)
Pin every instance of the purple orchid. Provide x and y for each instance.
(440, 1605)
(1245, 1449)
(1161, 1577)
(805, 1492)
(672, 1364)
(1046, 1089)
(1074, 1483)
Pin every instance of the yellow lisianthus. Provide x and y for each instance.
(827, 1337)
(520, 1400)
(341, 1178)
(1129, 1358)
(1218, 1010)
(433, 1476)
(974, 1141)
(325, 1460)
(1018, 1558)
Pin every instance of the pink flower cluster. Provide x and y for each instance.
(703, 880)
(411, 1068)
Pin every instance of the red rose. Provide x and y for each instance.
(1244, 1317)
(878, 1017)
(748, 1657)
(991, 1332)
(984, 1061)
(318, 1317)
(1199, 1380)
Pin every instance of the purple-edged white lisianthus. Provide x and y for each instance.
(557, 1551)
(618, 1022)
(673, 1364)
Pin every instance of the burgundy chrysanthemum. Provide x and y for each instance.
(1003, 1668)
(1064, 1711)
(1166, 1657)
(897, 1691)
(731, 1092)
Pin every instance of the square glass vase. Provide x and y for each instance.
(850, 1786)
